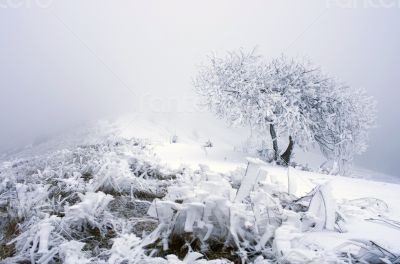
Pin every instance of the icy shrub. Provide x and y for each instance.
(89, 210)
(174, 138)
(123, 249)
(208, 144)
(71, 253)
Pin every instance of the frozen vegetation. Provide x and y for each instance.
(289, 98)
(121, 199)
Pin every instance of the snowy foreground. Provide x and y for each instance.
(146, 194)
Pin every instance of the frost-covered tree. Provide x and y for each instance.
(288, 98)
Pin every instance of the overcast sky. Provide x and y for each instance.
(62, 63)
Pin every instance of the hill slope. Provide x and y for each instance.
(145, 191)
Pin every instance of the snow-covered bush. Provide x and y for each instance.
(123, 247)
(89, 210)
(174, 138)
(208, 144)
(71, 253)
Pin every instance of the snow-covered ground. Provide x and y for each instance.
(361, 183)
(367, 201)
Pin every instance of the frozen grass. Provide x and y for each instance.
(90, 195)
(113, 202)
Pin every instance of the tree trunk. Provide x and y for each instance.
(288, 152)
(274, 141)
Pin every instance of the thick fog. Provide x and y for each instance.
(65, 62)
